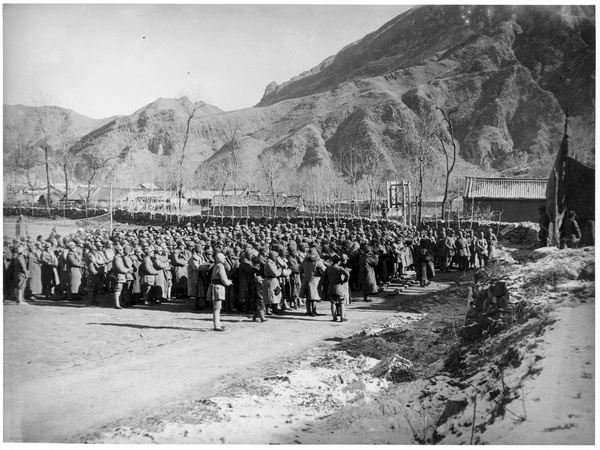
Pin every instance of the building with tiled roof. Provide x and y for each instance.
(511, 199)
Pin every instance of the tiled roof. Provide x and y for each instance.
(506, 188)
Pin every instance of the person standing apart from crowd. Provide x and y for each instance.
(492, 241)
(335, 278)
(368, 282)
(216, 290)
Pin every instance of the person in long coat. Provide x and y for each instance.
(311, 270)
(75, 269)
(34, 262)
(179, 261)
(136, 285)
(270, 285)
(198, 266)
(160, 282)
(63, 270)
(368, 283)
(8, 269)
(294, 261)
(246, 273)
(49, 272)
(21, 273)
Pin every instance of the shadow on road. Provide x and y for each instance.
(132, 325)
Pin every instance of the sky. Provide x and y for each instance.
(112, 59)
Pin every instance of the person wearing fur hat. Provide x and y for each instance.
(216, 290)
(311, 270)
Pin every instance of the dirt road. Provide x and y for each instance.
(70, 368)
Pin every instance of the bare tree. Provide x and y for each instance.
(426, 129)
(273, 168)
(97, 159)
(448, 114)
(191, 107)
(42, 102)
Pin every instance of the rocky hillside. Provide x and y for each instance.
(507, 73)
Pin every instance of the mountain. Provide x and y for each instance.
(504, 74)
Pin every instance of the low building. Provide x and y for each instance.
(432, 207)
(507, 199)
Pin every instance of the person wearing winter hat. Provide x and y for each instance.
(216, 290)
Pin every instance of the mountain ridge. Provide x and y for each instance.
(516, 73)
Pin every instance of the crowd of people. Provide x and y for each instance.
(260, 268)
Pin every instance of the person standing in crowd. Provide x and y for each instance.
(440, 258)
(368, 262)
(147, 275)
(255, 289)
(49, 270)
(231, 269)
(246, 272)
(8, 268)
(311, 270)
(270, 284)
(216, 289)
(179, 261)
(198, 266)
(295, 282)
(94, 274)
(34, 265)
(335, 282)
(449, 250)
(462, 251)
(21, 274)
(122, 272)
(75, 266)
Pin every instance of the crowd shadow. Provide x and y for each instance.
(137, 326)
